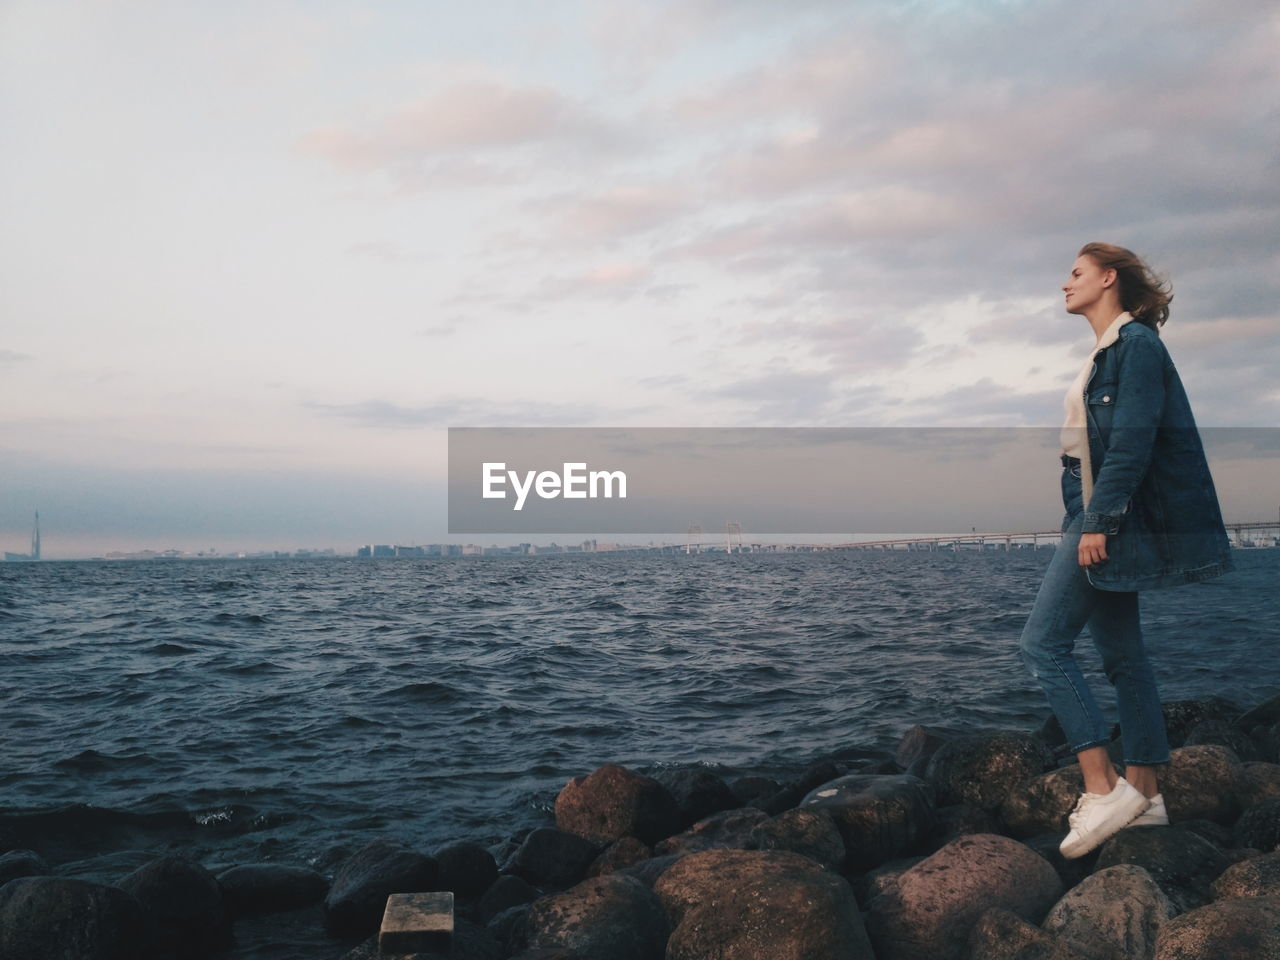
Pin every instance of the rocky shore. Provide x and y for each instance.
(945, 851)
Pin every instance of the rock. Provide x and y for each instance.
(553, 858)
(868, 886)
(508, 927)
(619, 854)
(648, 871)
(362, 883)
(984, 769)
(612, 803)
(1113, 915)
(749, 790)
(1259, 827)
(1070, 872)
(929, 913)
(1183, 716)
(698, 877)
(960, 820)
(22, 863)
(270, 888)
(1202, 783)
(1256, 877)
(1042, 804)
(1183, 863)
(1001, 934)
(1259, 782)
(185, 904)
(1223, 733)
(879, 817)
(504, 893)
(698, 793)
(1215, 833)
(791, 795)
(1265, 714)
(57, 918)
(760, 905)
(611, 916)
(467, 869)
(1267, 741)
(728, 829)
(1237, 929)
(470, 942)
(473, 942)
(919, 744)
(808, 832)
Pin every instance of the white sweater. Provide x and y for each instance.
(1075, 440)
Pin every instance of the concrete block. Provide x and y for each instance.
(417, 923)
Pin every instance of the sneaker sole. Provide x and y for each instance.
(1096, 839)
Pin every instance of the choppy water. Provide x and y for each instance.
(259, 710)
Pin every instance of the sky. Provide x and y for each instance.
(257, 258)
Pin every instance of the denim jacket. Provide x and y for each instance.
(1152, 492)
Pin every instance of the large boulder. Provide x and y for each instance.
(22, 863)
(879, 817)
(1259, 782)
(358, 895)
(1237, 929)
(729, 829)
(803, 830)
(270, 888)
(919, 744)
(1183, 716)
(611, 916)
(1259, 827)
(1256, 877)
(1113, 915)
(613, 802)
(959, 820)
(503, 894)
(1265, 714)
(1182, 862)
(64, 919)
(983, 769)
(1202, 783)
(1223, 733)
(792, 793)
(467, 869)
(619, 855)
(1001, 934)
(760, 905)
(185, 904)
(930, 912)
(1043, 803)
(552, 858)
(698, 793)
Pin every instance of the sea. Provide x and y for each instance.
(246, 711)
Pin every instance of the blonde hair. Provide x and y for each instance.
(1142, 293)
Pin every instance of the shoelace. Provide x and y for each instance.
(1082, 806)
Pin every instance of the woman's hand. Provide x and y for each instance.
(1093, 548)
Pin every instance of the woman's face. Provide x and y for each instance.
(1086, 285)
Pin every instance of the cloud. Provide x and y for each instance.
(618, 212)
(468, 118)
(13, 357)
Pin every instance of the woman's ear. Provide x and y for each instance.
(1108, 278)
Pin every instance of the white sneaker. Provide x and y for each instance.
(1099, 816)
(1157, 815)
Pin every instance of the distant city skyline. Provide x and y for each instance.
(257, 258)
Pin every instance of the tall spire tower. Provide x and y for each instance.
(35, 538)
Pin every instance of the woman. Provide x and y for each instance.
(1141, 513)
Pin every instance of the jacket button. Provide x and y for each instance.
(1106, 399)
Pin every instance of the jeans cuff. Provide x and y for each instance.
(1090, 745)
(1148, 763)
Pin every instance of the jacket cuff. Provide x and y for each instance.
(1100, 523)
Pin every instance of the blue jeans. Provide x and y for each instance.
(1065, 603)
